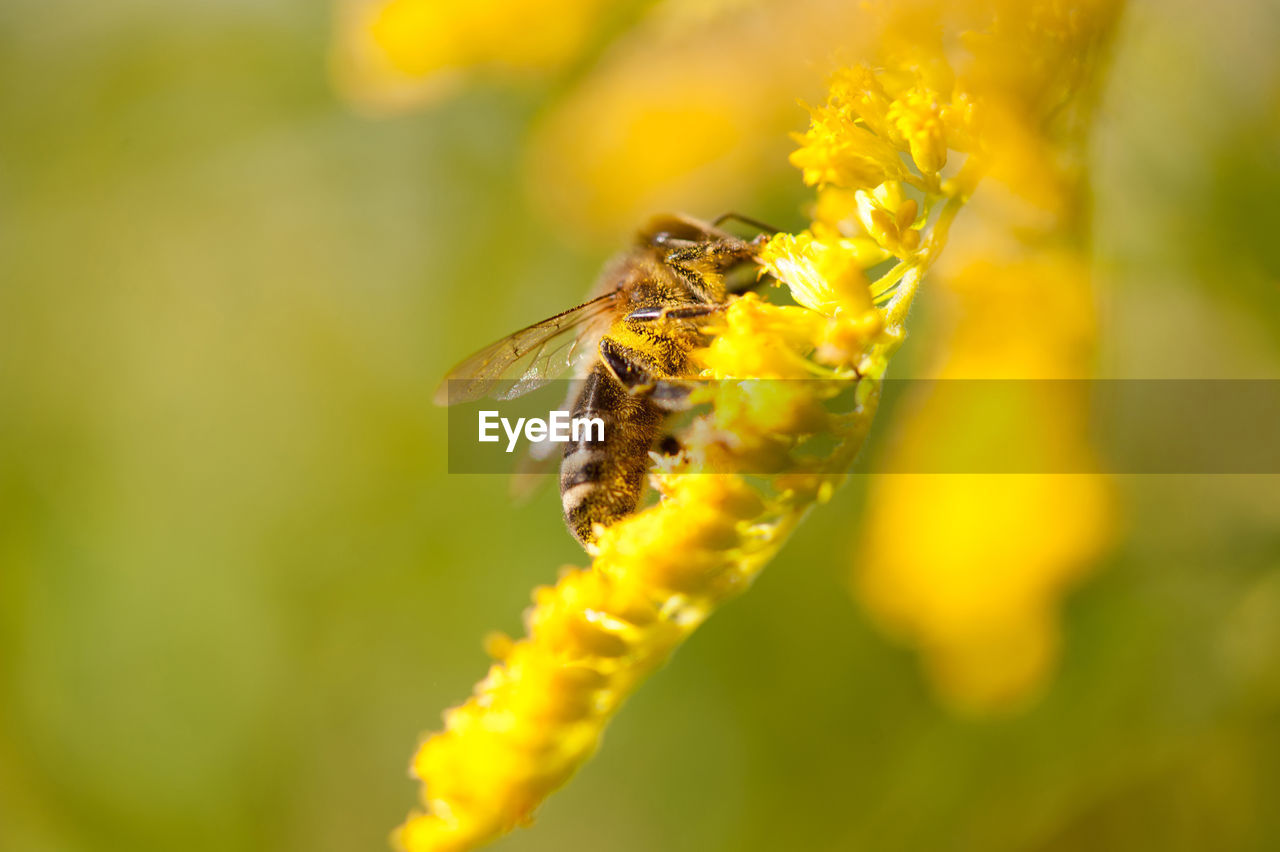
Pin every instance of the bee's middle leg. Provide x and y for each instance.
(678, 312)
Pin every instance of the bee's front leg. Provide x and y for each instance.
(638, 378)
(694, 261)
(717, 256)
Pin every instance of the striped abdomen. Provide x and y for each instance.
(601, 481)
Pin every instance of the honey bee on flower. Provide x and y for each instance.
(630, 347)
(895, 152)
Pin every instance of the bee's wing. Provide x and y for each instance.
(541, 457)
(529, 358)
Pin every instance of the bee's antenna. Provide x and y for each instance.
(746, 220)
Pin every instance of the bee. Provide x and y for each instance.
(629, 349)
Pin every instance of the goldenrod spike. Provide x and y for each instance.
(878, 146)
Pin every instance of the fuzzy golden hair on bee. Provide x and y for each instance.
(628, 348)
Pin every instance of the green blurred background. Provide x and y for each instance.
(236, 582)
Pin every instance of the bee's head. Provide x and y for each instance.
(677, 226)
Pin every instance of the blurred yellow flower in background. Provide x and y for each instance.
(686, 110)
(682, 110)
(977, 583)
(392, 54)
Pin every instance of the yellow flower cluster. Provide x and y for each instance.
(856, 140)
(659, 574)
(882, 150)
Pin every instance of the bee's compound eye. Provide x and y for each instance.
(670, 227)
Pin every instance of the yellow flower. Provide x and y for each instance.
(658, 574)
(871, 118)
(889, 218)
(836, 218)
(837, 151)
(828, 278)
(760, 340)
(917, 118)
(975, 580)
(747, 472)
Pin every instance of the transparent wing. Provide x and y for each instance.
(529, 358)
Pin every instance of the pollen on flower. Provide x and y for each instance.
(829, 279)
(836, 219)
(889, 217)
(826, 277)
(760, 340)
(856, 140)
(917, 118)
(837, 151)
